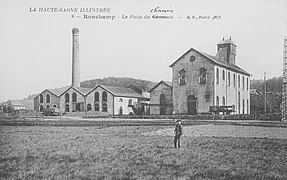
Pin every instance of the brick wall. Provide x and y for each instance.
(202, 92)
(162, 88)
(54, 100)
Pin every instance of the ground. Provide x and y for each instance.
(143, 151)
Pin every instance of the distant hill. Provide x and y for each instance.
(273, 85)
(121, 82)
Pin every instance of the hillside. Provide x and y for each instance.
(273, 85)
(121, 82)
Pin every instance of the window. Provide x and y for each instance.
(238, 81)
(182, 77)
(97, 97)
(217, 101)
(48, 106)
(234, 80)
(217, 76)
(202, 76)
(67, 108)
(223, 74)
(243, 82)
(120, 100)
(223, 101)
(247, 84)
(104, 96)
(67, 97)
(228, 78)
(89, 107)
(97, 107)
(74, 97)
(130, 102)
(247, 106)
(238, 102)
(41, 108)
(48, 98)
(54, 106)
(242, 106)
(105, 107)
(162, 100)
(192, 58)
(41, 98)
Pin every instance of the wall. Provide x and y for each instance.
(110, 102)
(230, 93)
(202, 92)
(80, 99)
(54, 100)
(162, 88)
(124, 102)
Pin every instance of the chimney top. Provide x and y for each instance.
(75, 31)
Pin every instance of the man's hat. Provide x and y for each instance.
(178, 120)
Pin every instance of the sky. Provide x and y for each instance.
(36, 47)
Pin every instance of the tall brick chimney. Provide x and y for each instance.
(75, 59)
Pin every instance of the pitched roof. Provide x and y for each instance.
(121, 91)
(58, 91)
(214, 60)
(169, 84)
(14, 102)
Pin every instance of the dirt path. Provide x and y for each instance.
(226, 131)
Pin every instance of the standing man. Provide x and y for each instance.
(178, 133)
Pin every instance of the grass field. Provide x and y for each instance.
(123, 152)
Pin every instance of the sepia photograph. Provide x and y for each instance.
(143, 89)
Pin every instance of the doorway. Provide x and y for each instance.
(191, 105)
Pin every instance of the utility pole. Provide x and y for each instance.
(264, 93)
(284, 85)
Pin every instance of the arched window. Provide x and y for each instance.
(223, 101)
(41, 108)
(41, 98)
(54, 106)
(182, 77)
(217, 101)
(97, 97)
(243, 82)
(228, 78)
(97, 107)
(223, 74)
(162, 104)
(105, 108)
(89, 107)
(104, 96)
(243, 107)
(48, 98)
(120, 100)
(162, 100)
(217, 76)
(130, 102)
(234, 80)
(67, 109)
(202, 76)
(48, 106)
(74, 97)
(67, 97)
